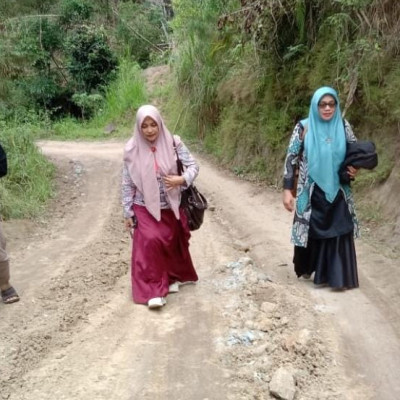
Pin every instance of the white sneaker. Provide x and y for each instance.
(156, 302)
(187, 283)
(174, 287)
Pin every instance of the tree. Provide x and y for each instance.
(91, 61)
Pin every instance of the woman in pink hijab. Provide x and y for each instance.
(151, 191)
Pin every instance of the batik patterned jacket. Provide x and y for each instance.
(131, 195)
(305, 185)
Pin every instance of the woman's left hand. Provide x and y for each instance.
(173, 181)
(288, 200)
(352, 172)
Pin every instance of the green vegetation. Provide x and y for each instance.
(61, 62)
(124, 95)
(59, 57)
(242, 73)
(142, 31)
(245, 71)
(27, 186)
(68, 70)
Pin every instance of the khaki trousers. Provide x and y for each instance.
(4, 262)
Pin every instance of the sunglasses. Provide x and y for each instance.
(330, 104)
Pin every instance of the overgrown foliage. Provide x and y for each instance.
(113, 114)
(91, 61)
(60, 55)
(247, 70)
(28, 184)
(59, 59)
(59, 77)
(142, 31)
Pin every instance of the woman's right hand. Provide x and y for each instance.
(130, 223)
(288, 200)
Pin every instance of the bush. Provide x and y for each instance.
(75, 11)
(91, 61)
(88, 103)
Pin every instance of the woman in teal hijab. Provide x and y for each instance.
(324, 223)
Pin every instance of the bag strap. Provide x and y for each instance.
(303, 132)
(178, 161)
(302, 136)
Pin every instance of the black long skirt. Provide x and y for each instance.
(330, 251)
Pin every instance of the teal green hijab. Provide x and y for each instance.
(325, 144)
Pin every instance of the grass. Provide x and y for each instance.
(28, 185)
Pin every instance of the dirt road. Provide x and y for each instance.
(248, 329)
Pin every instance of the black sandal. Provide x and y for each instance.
(9, 295)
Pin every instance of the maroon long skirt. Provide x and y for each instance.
(160, 254)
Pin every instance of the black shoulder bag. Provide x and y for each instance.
(194, 204)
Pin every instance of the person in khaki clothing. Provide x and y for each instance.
(8, 293)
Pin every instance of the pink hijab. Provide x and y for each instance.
(141, 156)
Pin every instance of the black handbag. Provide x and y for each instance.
(194, 204)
